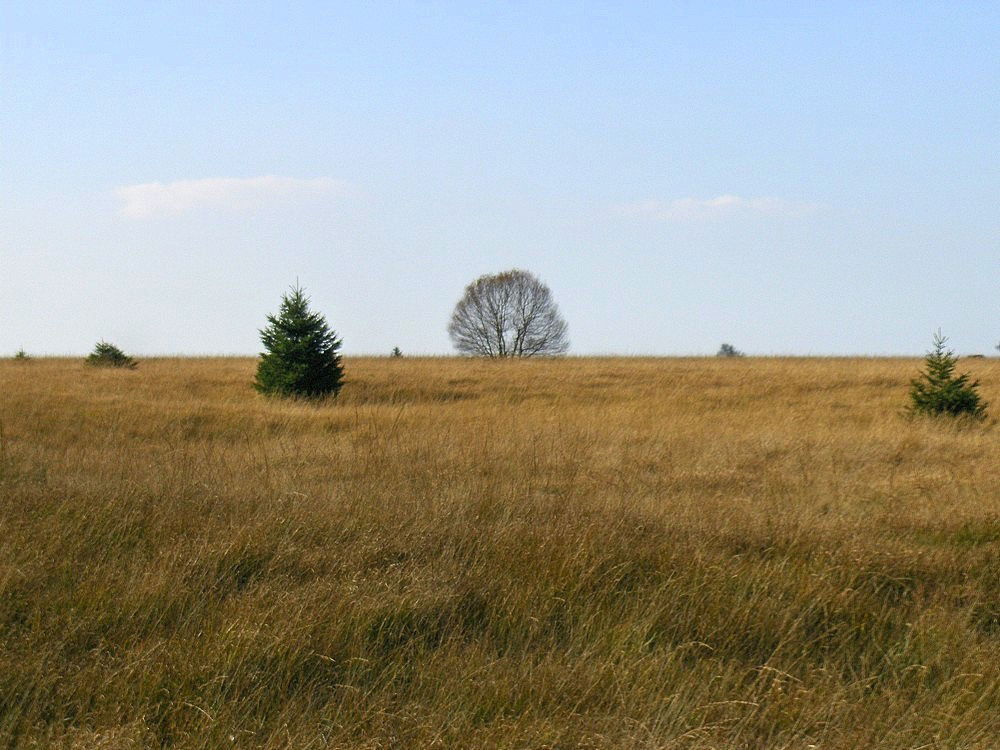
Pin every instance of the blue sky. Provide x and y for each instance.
(785, 177)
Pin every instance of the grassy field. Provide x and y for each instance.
(592, 553)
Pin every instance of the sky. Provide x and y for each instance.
(790, 178)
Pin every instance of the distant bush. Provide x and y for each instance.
(728, 350)
(22, 356)
(939, 392)
(109, 355)
(301, 357)
(396, 352)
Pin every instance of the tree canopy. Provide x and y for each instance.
(508, 314)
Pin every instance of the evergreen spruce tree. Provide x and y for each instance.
(301, 357)
(108, 355)
(939, 392)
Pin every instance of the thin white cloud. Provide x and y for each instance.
(152, 199)
(724, 206)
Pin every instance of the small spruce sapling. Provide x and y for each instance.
(396, 352)
(938, 391)
(301, 357)
(109, 355)
(728, 350)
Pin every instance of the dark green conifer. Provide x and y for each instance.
(109, 355)
(939, 392)
(301, 356)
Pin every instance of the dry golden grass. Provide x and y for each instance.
(613, 553)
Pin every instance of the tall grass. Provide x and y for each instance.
(603, 553)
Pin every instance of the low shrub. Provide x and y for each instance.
(109, 355)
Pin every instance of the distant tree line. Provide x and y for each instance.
(511, 314)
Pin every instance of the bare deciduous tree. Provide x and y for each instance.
(509, 314)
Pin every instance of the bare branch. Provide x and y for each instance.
(509, 314)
